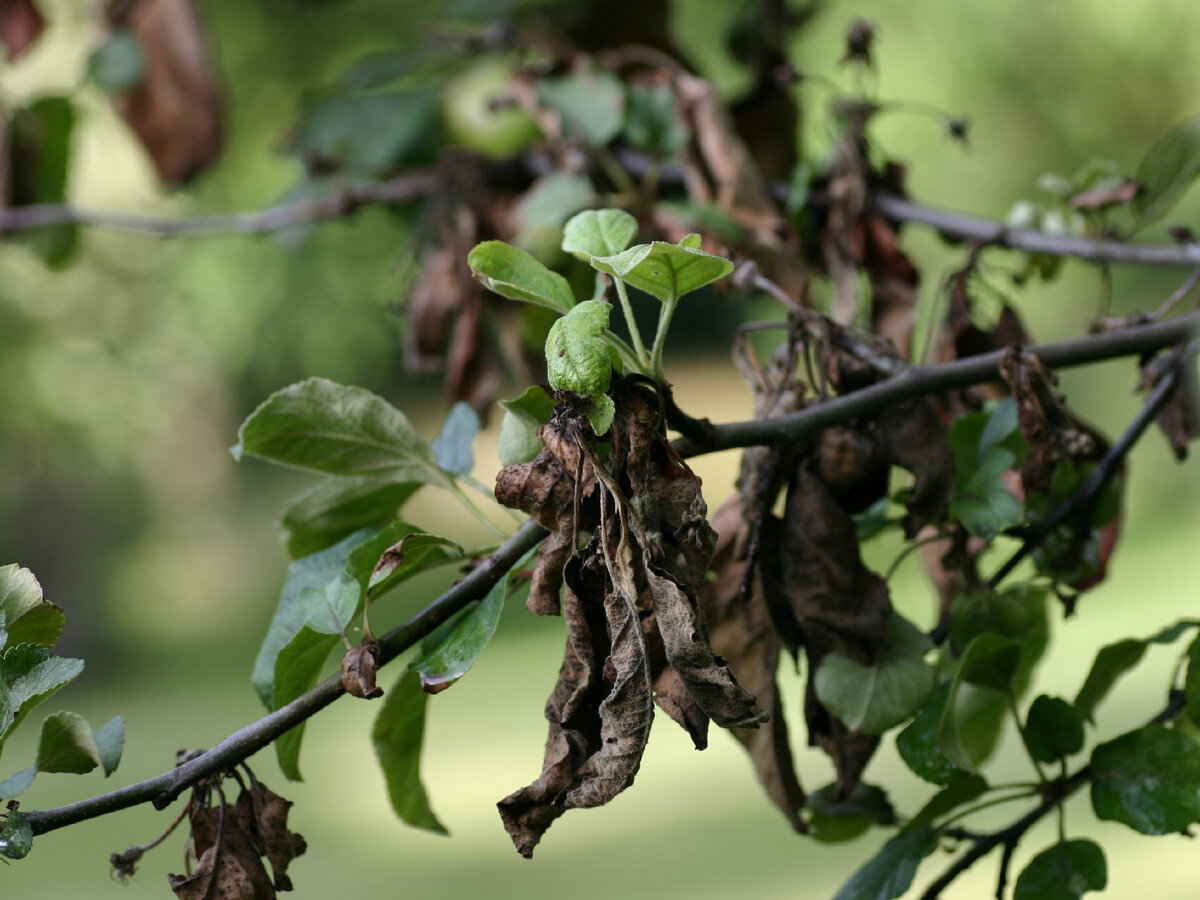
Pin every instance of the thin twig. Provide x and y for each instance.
(336, 204)
(1082, 498)
(163, 789)
(915, 381)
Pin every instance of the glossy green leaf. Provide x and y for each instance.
(889, 873)
(1053, 729)
(406, 553)
(598, 232)
(989, 661)
(16, 836)
(1065, 871)
(452, 445)
(323, 426)
(312, 572)
(665, 271)
(28, 617)
(1166, 171)
(836, 819)
(1191, 682)
(30, 673)
(1115, 659)
(67, 745)
(591, 103)
(398, 734)
(513, 273)
(984, 447)
(119, 64)
(919, 745)
(16, 785)
(652, 121)
(110, 742)
(1148, 779)
(577, 355)
(368, 134)
(41, 145)
(449, 658)
(872, 699)
(298, 667)
(960, 788)
(339, 505)
(518, 441)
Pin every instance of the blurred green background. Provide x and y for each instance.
(123, 380)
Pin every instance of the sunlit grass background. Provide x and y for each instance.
(122, 381)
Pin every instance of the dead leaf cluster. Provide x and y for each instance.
(630, 544)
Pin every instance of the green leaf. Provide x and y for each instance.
(452, 445)
(16, 837)
(518, 441)
(990, 661)
(119, 64)
(367, 135)
(1065, 871)
(984, 447)
(40, 144)
(836, 819)
(312, 572)
(28, 618)
(598, 232)
(398, 734)
(339, 505)
(652, 121)
(872, 699)
(1053, 729)
(665, 271)
(404, 554)
(591, 103)
(515, 274)
(297, 668)
(29, 674)
(327, 427)
(577, 356)
(1166, 170)
(918, 743)
(1191, 682)
(1148, 779)
(889, 873)
(544, 208)
(446, 661)
(1114, 660)
(960, 788)
(18, 784)
(110, 742)
(67, 745)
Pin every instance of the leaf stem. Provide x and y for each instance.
(636, 336)
(660, 338)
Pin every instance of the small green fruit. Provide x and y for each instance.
(474, 120)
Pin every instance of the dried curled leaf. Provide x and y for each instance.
(1179, 419)
(599, 713)
(176, 107)
(358, 670)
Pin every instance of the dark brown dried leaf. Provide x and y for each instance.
(742, 634)
(175, 110)
(228, 870)
(598, 725)
(1180, 418)
(912, 436)
(358, 670)
(264, 813)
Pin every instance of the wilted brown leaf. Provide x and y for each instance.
(176, 108)
(229, 866)
(599, 713)
(1180, 418)
(358, 670)
(20, 25)
(743, 635)
(263, 814)
(912, 436)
